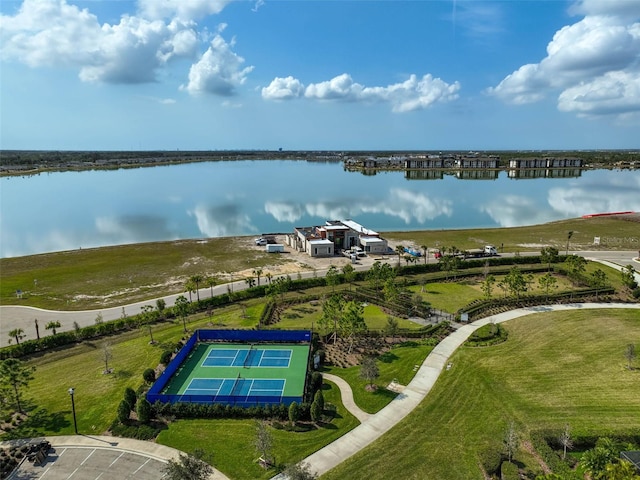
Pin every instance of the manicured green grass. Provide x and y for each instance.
(231, 442)
(397, 364)
(448, 297)
(306, 314)
(555, 369)
(98, 395)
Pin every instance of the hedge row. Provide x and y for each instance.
(478, 308)
(219, 410)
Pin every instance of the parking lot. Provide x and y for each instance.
(92, 463)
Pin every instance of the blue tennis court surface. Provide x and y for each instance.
(254, 357)
(239, 387)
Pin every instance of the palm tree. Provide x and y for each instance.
(18, 334)
(257, 272)
(52, 326)
(211, 282)
(400, 252)
(190, 287)
(196, 279)
(268, 276)
(569, 235)
(425, 249)
(182, 308)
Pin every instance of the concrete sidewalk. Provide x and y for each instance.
(347, 397)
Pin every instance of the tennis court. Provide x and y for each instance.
(248, 357)
(236, 387)
(241, 373)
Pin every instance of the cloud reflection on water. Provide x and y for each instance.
(222, 220)
(400, 203)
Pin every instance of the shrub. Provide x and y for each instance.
(144, 411)
(149, 375)
(316, 381)
(319, 399)
(294, 412)
(123, 412)
(165, 358)
(491, 459)
(139, 432)
(509, 471)
(130, 397)
(316, 411)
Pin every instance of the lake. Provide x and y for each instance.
(69, 210)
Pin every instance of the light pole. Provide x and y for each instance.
(73, 408)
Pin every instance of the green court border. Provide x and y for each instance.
(191, 368)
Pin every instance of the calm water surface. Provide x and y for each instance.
(69, 210)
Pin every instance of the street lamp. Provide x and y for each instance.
(73, 408)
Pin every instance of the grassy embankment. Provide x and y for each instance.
(113, 276)
(555, 369)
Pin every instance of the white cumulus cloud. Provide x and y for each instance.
(413, 94)
(283, 89)
(182, 9)
(601, 51)
(54, 33)
(219, 71)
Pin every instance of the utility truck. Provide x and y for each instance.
(487, 251)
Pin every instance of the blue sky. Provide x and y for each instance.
(330, 75)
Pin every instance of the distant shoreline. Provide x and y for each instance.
(26, 163)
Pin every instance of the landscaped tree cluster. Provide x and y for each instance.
(188, 467)
(342, 318)
(14, 378)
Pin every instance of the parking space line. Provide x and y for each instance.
(88, 456)
(111, 465)
(73, 473)
(138, 469)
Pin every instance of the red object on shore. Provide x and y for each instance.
(606, 214)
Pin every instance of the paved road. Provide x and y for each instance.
(15, 316)
(12, 317)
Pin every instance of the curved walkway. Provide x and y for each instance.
(347, 397)
(370, 430)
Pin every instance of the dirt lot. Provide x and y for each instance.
(301, 261)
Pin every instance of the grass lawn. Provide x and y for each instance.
(305, 314)
(399, 364)
(555, 369)
(231, 442)
(521, 239)
(97, 395)
(448, 297)
(98, 277)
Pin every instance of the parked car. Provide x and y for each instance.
(261, 241)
